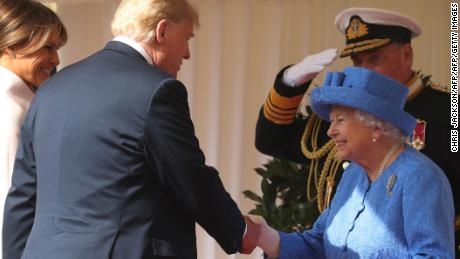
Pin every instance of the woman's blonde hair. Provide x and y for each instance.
(137, 19)
(25, 26)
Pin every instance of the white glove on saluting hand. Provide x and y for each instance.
(309, 67)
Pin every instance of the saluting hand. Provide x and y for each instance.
(309, 67)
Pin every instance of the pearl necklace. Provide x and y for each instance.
(386, 158)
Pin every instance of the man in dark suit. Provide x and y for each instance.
(108, 164)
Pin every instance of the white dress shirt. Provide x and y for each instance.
(135, 45)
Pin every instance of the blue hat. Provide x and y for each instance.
(365, 90)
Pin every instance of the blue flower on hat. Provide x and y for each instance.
(365, 90)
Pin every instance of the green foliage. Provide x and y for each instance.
(284, 204)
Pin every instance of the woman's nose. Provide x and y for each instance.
(332, 132)
(54, 58)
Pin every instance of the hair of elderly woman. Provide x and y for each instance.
(137, 19)
(388, 129)
(25, 26)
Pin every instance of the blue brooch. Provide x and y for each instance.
(390, 184)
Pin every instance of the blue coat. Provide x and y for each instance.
(407, 212)
(283, 140)
(108, 166)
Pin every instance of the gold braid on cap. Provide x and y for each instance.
(330, 167)
(363, 46)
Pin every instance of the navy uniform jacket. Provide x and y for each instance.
(109, 167)
(279, 132)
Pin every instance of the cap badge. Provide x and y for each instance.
(356, 29)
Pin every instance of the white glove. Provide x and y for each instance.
(309, 67)
(269, 239)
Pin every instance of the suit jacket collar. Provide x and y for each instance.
(125, 49)
(135, 45)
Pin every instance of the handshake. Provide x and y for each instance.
(259, 234)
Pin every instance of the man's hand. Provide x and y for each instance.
(251, 237)
(309, 67)
(261, 235)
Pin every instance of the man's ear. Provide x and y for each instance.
(160, 30)
(407, 53)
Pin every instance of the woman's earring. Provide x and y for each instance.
(374, 139)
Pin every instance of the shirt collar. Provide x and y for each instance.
(135, 45)
(14, 84)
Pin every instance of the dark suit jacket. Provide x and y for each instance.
(109, 167)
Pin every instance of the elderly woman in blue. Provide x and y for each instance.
(392, 201)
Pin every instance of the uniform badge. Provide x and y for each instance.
(418, 136)
(390, 184)
(356, 28)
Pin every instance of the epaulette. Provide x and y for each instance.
(439, 87)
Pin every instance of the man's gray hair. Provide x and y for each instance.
(138, 19)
